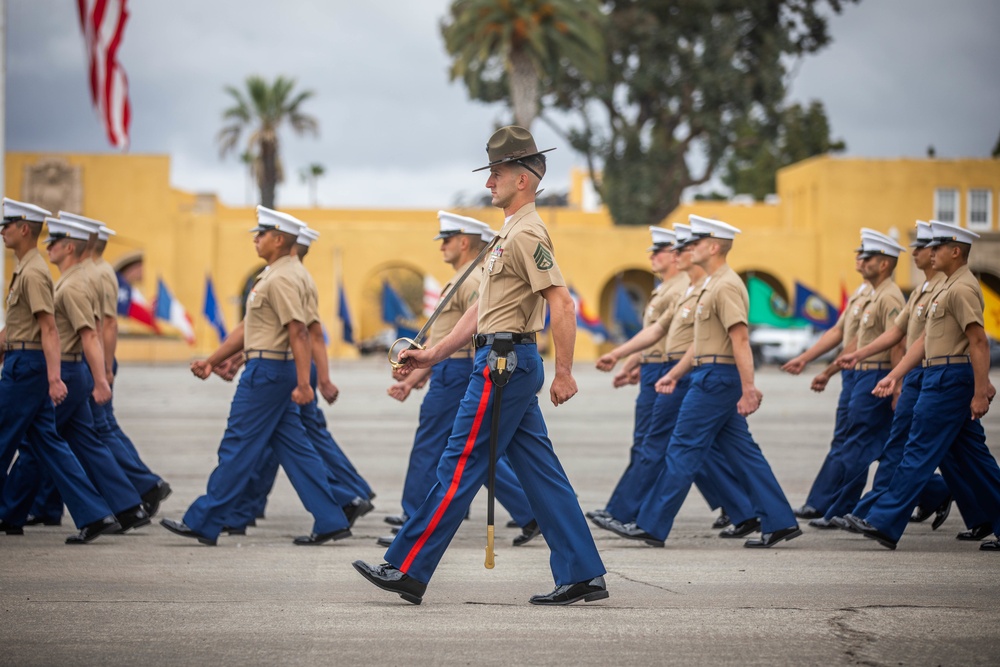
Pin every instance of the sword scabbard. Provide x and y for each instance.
(489, 548)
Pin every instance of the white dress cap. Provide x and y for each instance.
(880, 245)
(661, 238)
(93, 225)
(307, 236)
(66, 229)
(452, 223)
(488, 235)
(16, 210)
(268, 219)
(683, 234)
(874, 234)
(104, 233)
(944, 232)
(707, 227)
(924, 234)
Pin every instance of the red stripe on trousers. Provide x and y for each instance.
(456, 478)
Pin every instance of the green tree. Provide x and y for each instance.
(310, 175)
(260, 110)
(512, 50)
(682, 77)
(762, 148)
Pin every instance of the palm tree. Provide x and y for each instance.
(516, 45)
(260, 110)
(310, 175)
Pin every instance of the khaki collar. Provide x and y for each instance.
(516, 218)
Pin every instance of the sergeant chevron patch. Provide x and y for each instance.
(543, 258)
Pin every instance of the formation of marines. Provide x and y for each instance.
(914, 387)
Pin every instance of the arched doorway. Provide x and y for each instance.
(407, 283)
(770, 304)
(623, 301)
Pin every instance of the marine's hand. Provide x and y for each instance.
(750, 401)
(563, 388)
(414, 359)
(885, 387)
(400, 391)
(666, 384)
(201, 368)
(328, 391)
(57, 391)
(847, 361)
(980, 406)
(303, 394)
(102, 392)
(794, 367)
(606, 363)
(819, 383)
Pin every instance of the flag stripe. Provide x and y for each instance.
(103, 25)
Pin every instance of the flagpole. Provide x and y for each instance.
(337, 283)
(3, 130)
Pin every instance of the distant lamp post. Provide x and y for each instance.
(310, 175)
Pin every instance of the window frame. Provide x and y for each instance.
(937, 205)
(987, 225)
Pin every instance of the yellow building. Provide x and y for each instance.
(806, 234)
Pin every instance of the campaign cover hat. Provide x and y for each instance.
(510, 144)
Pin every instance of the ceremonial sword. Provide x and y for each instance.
(415, 342)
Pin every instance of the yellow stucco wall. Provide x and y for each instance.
(808, 235)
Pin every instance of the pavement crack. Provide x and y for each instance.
(644, 583)
(858, 641)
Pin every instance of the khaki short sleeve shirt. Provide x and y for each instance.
(75, 308)
(680, 326)
(109, 288)
(912, 319)
(724, 303)
(96, 285)
(278, 297)
(521, 265)
(848, 320)
(30, 293)
(957, 303)
(311, 291)
(468, 294)
(879, 314)
(662, 303)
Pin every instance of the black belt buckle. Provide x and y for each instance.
(502, 359)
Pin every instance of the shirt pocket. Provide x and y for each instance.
(702, 325)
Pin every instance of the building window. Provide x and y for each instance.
(946, 205)
(980, 209)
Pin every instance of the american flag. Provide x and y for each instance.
(103, 25)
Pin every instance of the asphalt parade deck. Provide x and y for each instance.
(153, 598)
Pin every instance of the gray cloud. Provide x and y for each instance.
(394, 132)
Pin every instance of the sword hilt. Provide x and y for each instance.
(410, 345)
(489, 548)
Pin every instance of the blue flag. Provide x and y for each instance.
(813, 308)
(626, 315)
(345, 316)
(212, 311)
(396, 312)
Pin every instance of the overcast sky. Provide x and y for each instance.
(899, 76)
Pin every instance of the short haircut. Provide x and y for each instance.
(535, 164)
(289, 239)
(301, 249)
(79, 247)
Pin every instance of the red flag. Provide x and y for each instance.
(103, 25)
(843, 297)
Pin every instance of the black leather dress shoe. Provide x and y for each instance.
(974, 534)
(631, 531)
(513, 524)
(843, 524)
(588, 591)
(385, 540)
(315, 539)
(990, 545)
(357, 509)
(722, 521)
(179, 528)
(742, 529)
(156, 495)
(595, 514)
(10, 529)
(94, 529)
(822, 524)
(856, 524)
(873, 533)
(388, 578)
(807, 512)
(32, 520)
(395, 530)
(234, 530)
(396, 519)
(768, 540)
(528, 532)
(941, 514)
(130, 519)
